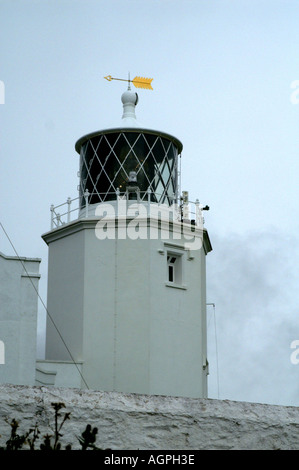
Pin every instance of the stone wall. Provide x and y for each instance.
(132, 422)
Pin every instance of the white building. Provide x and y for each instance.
(127, 276)
(19, 278)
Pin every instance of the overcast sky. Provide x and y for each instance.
(225, 79)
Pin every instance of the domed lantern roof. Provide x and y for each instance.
(107, 158)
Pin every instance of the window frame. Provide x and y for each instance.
(175, 261)
(172, 267)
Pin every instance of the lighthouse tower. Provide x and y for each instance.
(127, 275)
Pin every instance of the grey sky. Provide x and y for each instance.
(222, 85)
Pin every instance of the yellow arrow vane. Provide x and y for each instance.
(138, 82)
(141, 82)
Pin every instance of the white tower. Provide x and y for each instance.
(127, 277)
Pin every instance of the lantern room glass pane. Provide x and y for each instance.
(107, 160)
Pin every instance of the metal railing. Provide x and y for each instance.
(185, 211)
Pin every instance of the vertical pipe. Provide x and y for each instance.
(86, 194)
(148, 201)
(69, 209)
(52, 216)
(197, 212)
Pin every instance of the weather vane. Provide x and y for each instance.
(138, 82)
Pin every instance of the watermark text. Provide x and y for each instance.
(2, 353)
(2, 92)
(124, 221)
(295, 94)
(295, 354)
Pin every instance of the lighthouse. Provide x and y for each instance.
(127, 269)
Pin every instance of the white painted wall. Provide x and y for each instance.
(112, 305)
(58, 373)
(18, 318)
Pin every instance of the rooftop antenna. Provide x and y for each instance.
(138, 82)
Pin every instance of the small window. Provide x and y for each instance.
(174, 268)
(171, 268)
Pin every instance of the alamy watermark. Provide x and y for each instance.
(294, 358)
(122, 221)
(295, 94)
(2, 353)
(2, 92)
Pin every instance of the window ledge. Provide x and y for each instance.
(176, 286)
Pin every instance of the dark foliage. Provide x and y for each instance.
(51, 441)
